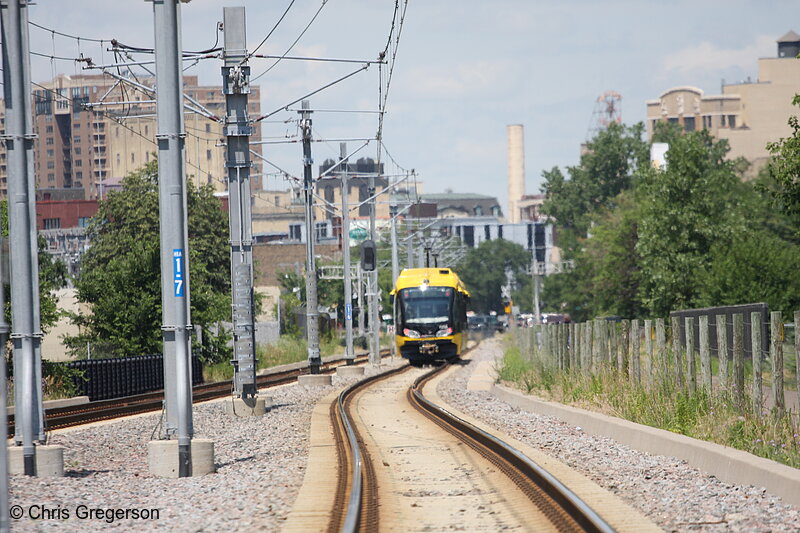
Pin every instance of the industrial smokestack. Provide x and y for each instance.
(516, 170)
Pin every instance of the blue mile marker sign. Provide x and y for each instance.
(177, 272)
(348, 311)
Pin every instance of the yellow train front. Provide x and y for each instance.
(430, 314)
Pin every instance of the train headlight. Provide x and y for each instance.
(444, 332)
(411, 333)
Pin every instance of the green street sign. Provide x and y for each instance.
(358, 234)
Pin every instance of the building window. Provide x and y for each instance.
(49, 129)
(52, 223)
(50, 153)
(76, 126)
(208, 155)
(146, 129)
(133, 157)
(116, 131)
(51, 164)
(51, 177)
(688, 123)
(79, 162)
(478, 211)
(77, 150)
(295, 232)
(208, 128)
(496, 210)
(277, 201)
(321, 230)
(732, 121)
(722, 121)
(209, 179)
(77, 139)
(48, 141)
(79, 175)
(672, 120)
(84, 221)
(118, 159)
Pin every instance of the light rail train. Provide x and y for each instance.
(430, 314)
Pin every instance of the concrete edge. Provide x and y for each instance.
(54, 404)
(727, 464)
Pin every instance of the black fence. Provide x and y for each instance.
(124, 376)
(728, 311)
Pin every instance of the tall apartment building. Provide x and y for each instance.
(748, 114)
(93, 148)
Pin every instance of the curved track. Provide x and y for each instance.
(63, 417)
(356, 503)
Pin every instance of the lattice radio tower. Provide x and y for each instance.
(607, 109)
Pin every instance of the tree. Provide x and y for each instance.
(120, 273)
(52, 276)
(785, 170)
(756, 267)
(484, 269)
(685, 210)
(606, 168)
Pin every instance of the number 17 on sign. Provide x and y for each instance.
(177, 272)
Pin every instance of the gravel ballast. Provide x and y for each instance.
(260, 466)
(674, 495)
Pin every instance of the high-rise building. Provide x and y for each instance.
(92, 132)
(749, 114)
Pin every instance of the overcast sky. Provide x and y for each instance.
(464, 70)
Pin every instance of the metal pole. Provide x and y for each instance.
(348, 288)
(410, 248)
(236, 86)
(535, 274)
(4, 518)
(173, 230)
(360, 286)
(395, 262)
(312, 313)
(372, 280)
(19, 139)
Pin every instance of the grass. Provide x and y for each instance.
(715, 418)
(287, 350)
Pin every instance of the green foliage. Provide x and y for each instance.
(52, 276)
(483, 271)
(756, 267)
(121, 273)
(606, 169)
(685, 210)
(785, 169)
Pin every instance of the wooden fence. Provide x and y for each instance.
(649, 351)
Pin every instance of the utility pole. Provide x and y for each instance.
(409, 247)
(395, 265)
(173, 231)
(372, 280)
(26, 332)
(312, 312)
(348, 289)
(535, 275)
(360, 293)
(4, 517)
(236, 86)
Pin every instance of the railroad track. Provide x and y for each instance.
(63, 417)
(356, 501)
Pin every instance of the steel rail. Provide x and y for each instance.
(580, 511)
(355, 509)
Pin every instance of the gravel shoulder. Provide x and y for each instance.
(260, 467)
(668, 491)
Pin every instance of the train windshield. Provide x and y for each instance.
(426, 306)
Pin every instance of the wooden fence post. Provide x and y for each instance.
(797, 354)
(738, 359)
(661, 348)
(677, 357)
(758, 356)
(588, 347)
(596, 353)
(648, 350)
(705, 354)
(722, 350)
(776, 358)
(622, 353)
(634, 364)
(691, 369)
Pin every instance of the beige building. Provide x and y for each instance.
(92, 148)
(749, 114)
